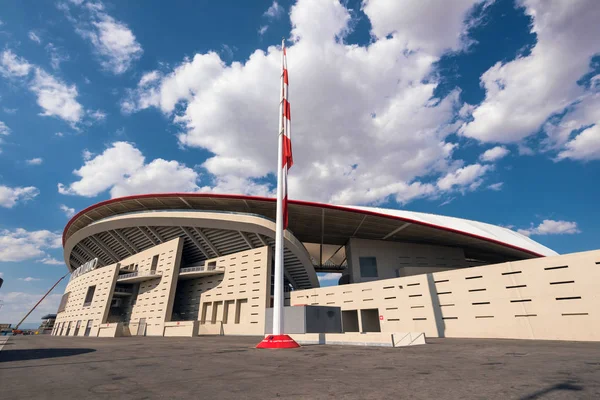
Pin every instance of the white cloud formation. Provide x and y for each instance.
(17, 304)
(51, 261)
(20, 244)
(10, 196)
(496, 186)
(122, 169)
(466, 178)
(4, 130)
(13, 66)
(274, 11)
(374, 131)
(69, 212)
(114, 43)
(585, 146)
(35, 161)
(551, 227)
(55, 97)
(263, 29)
(57, 56)
(34, 37)
(29, 279)
(521, 95)
(494, 154)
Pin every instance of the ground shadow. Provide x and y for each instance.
(435, 303)
(566, 386)
(37, 354)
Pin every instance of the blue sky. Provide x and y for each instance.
(485, 110)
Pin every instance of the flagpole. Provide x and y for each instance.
(279, 340)
(278, 287)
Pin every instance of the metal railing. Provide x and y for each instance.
(138, 274)
(123, 290)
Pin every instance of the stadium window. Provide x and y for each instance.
(89, 296)
(368, 267)
(63, 302)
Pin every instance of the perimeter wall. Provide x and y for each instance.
(554, 298)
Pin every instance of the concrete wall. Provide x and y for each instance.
(154, 300)
(104, 279)
(544, 298)
(236, 305)
(407, 258)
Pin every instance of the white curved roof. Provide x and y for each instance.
(489, 231)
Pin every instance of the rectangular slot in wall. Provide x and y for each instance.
(574, 314)
(569, 298)
(516, 286)
(561, 282)
(559, 267)
(511, 273)
(474, 277)
(520, 301)
(477, 290)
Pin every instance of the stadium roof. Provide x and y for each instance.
(331, 224)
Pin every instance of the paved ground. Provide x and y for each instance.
(42, 367)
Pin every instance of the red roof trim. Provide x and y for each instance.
(297, 202)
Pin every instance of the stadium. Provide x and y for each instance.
(183, 264)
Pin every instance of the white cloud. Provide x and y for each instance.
(12, 66)
(97, 115)
(34, 37)
(113, 42)
(10, 196)
(468, 177)
(122, 169)
(1, 273)
(494, 154)
(69, 212)
(375, 131)
(263, 29)
(56, 56)
(274, 11)
(4, 130)
(522, 94)
(17, 304)
(330, 276)
(55, 97)
(496, 186)
(551, 227)
(444, 29)
(9, 110)
(585, 146)
(29, 279)
(51, 261)
(35, 161)
(20, 244)
(59, 134)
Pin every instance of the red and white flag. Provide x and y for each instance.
(286, 132)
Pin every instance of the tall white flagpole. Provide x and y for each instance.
(278, 289)
(279, 340)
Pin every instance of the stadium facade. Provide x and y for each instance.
(185, 264)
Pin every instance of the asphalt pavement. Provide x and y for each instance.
(45, 367)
